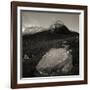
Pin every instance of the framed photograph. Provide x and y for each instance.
(48, 44)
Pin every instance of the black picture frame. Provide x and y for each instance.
(14, 32)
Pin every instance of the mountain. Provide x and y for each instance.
(33, 29)
(37, 47)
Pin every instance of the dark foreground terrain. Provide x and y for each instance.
(36, 45)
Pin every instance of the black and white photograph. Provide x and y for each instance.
(48, 44)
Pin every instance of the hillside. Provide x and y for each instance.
(37, 45)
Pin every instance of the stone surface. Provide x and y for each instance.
(55, 58)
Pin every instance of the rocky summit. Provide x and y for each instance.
(54, 52)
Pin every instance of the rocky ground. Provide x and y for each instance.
(50, 53)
